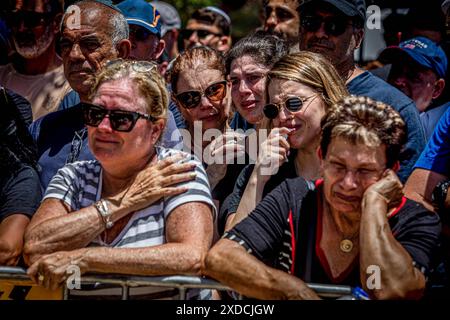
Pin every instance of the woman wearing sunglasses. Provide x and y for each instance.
(202, 93)
(247, 65)
(300, 88)
(139, 208)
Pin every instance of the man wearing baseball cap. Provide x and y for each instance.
(170, 27)
(335, 28)
(145, 29)
(418, 69)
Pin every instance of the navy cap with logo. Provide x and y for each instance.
(422, 50)
(143, 14)
(350, 8)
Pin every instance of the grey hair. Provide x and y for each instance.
(119, 29)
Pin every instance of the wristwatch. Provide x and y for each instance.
(440, 194)
(105, 213)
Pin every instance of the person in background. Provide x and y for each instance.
(209, 26)
(247, 64)
(20, 191)
(281, 17)
(144, 24)
(36, 71)
(418, 69)
(202, 93)
(170, 27)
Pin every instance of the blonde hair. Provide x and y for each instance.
(313, 70)
(150, 84)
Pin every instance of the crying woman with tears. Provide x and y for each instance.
(300, 89)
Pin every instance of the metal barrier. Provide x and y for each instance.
(180, 282)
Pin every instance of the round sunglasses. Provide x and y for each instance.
(333, 26)
(293, 104)
(214, 93)
(120, 120)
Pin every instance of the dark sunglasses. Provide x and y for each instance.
(334, 26)
(202, 34)
(29, 18)
(293, 104)
(214, 93)
(140, 34)
(123, 121)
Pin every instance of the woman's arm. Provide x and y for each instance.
(272, 154)
(229, 263)
(189, 230)
(53, 229)
(378, 247)
(12, 229)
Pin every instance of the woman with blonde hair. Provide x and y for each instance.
(300, 89)
(138, 208)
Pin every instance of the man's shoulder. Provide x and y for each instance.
(64, 117)
(366, 84)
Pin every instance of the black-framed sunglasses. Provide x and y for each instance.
(334, 26)
(293, 104)
(30, 19)
(202, 34)
(121, 120)
(140, 33)
(214, 93)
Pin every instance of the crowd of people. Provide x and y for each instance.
(130, 145)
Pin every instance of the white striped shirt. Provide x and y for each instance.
(79, 185)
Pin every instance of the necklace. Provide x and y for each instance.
(346, 245)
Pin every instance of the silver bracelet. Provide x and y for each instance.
(105, 213)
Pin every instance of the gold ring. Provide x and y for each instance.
(41, 277)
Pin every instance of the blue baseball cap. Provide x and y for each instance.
(422, 50)
(143, 14)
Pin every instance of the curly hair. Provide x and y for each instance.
(150, 84)
(363, 120)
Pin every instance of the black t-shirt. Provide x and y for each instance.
(292, 208)
(231, 203)
(20, 192)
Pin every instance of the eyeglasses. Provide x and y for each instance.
(141, 34)
(202, 34)
(30, 19)
(135, 65)
(123, 121)
(293, 104)
(214, 93)
(334, 26)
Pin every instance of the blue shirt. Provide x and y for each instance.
(431, 118)
(368, 85)
(436, 155)
(61, 137)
